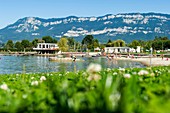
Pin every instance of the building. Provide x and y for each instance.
(46, 48)
(117, 49)
(97, 49)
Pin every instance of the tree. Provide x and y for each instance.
(71, 42)
(25, 43)
(18, 46)
(95, 43)
(109, 43)
(47, 39)
(116, 43)
(88, 41)
(63, 44)
(134, 44)
(34, 42)
(9, 44)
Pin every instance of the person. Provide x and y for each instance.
(167, 59)
(162, 56)
(74, 58)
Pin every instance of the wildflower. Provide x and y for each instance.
(152, 74)
(34, 83)
(126, 75)
(93, 68)
(94, 77)
(108, 69)
(42, 78)
(134, 73)
(60, 74)
(17, 74)
(114, 73)
(114, 98)
(143, 72)
(109, 81)
(121, 69)
(4, 87)
(24, 96)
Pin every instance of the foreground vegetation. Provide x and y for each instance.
(134, 90)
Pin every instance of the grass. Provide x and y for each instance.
(132, 90)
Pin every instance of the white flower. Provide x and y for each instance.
(114, 73)
(93, 68)
(143, 72)
(109, 81)
(121, 69)
(114, 98)
(60, 74)
(152, 74)
(4, 87)
(42, 78)
(126, 75)
(32, 78)
(108, 69)
(24, 96)
(17, 74)
(94, 77)
(34, 83)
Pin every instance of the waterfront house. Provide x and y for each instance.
(117, 49)
(46, 48)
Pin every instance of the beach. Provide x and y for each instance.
(154, 61)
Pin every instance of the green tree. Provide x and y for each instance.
(9, 44)
(109, 43)
(63, 44)
(18, 46)
(95, 43)
(25, 43)
(88, 41)
(71, 43)
(134, 44)
(47, 39)
(34, 42)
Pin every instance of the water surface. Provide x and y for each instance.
(35, 64)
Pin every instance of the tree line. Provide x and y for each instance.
(88, 44)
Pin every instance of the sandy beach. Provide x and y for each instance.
(155, 61)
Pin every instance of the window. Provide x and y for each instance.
(43, 46)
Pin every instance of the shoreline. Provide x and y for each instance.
(154, 61)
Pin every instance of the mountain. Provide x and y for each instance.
(127, 26)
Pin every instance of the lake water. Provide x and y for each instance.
(35, 64)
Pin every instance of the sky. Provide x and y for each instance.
(12, 10)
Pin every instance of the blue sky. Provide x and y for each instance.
(12, 10)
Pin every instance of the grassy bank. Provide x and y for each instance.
(135, 90)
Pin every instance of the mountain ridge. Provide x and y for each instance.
(126, 26)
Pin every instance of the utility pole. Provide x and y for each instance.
(151, 56)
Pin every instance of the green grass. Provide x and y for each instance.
(73, 92)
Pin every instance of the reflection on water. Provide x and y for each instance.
(35, 64)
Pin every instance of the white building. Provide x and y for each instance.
(117, 49)
(46, 48)
(138, 49)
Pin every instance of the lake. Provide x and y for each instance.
(36, 64)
